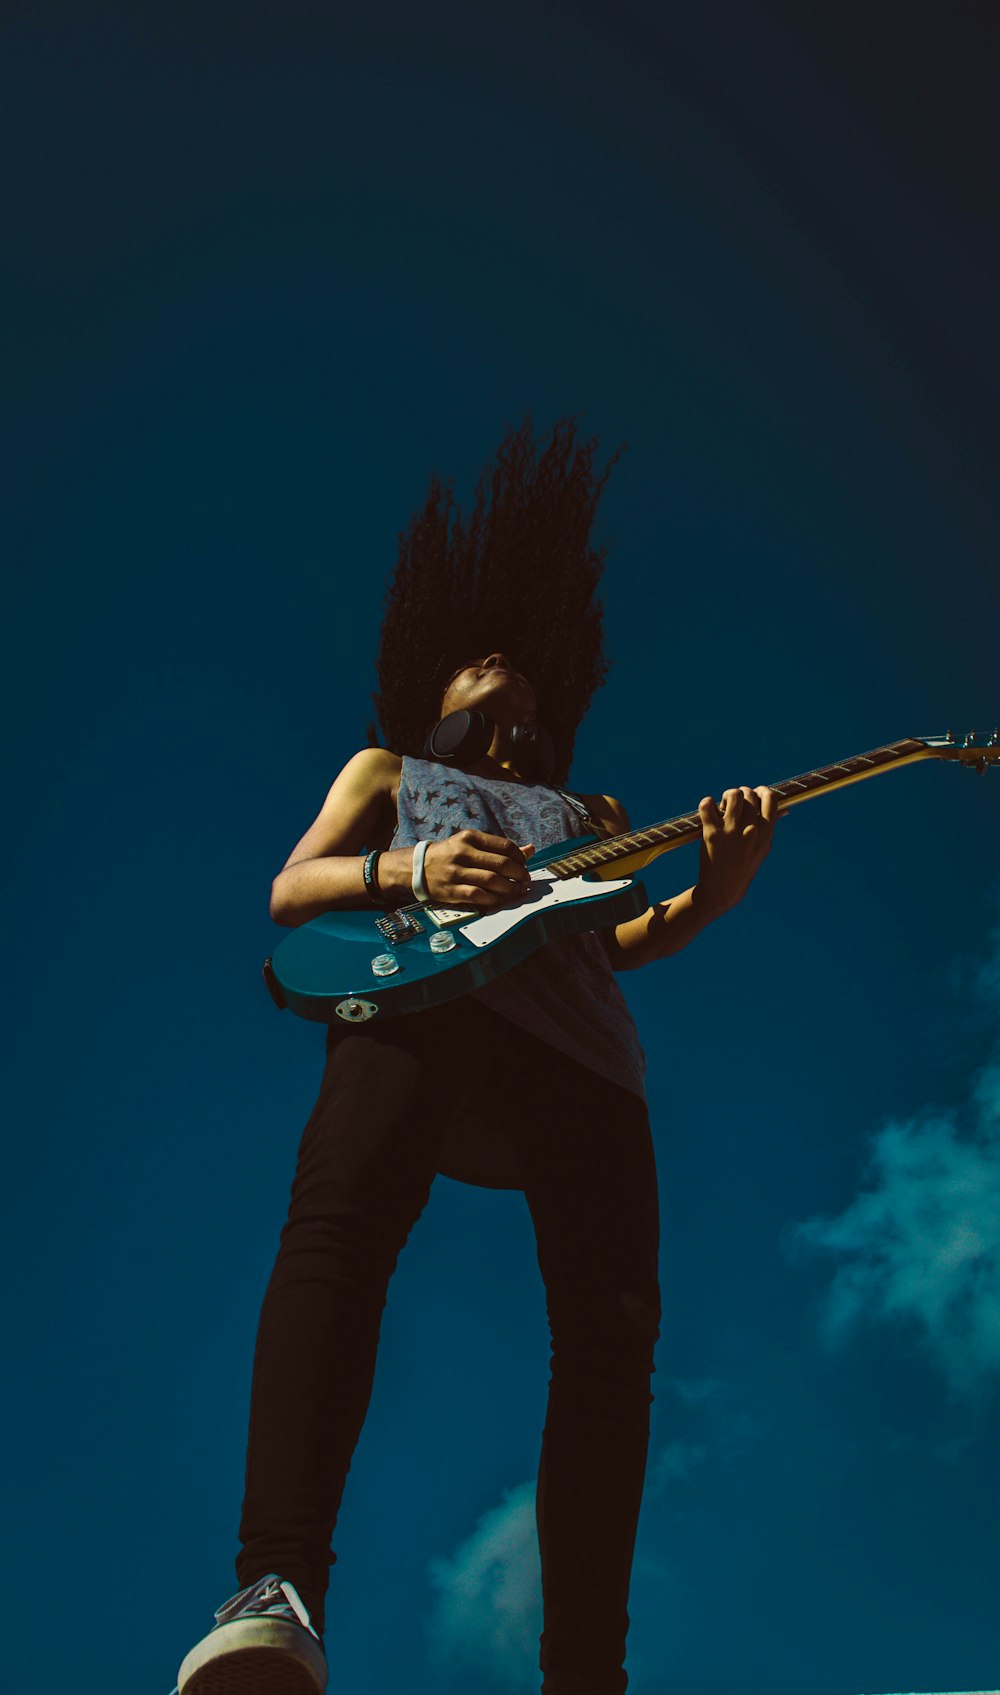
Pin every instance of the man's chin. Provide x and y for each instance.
(505, 683)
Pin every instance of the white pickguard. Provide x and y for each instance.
(546, 891)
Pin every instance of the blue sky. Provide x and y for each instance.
(268, 269)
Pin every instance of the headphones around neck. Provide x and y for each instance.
(463, 738)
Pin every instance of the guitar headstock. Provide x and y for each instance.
(979, 751)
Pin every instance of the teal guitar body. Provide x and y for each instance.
(353, 965)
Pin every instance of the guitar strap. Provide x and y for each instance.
(577, 804)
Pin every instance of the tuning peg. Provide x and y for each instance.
(970, 738)
(994, 740)
(949, 735)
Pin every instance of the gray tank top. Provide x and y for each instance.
(566, 992)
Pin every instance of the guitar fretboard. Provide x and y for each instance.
(658, 838)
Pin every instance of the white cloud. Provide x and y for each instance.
(920, 1243)
(724, 1434)
(487, 1615)
(674, 1462)
(695, 1391)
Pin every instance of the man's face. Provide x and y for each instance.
(491, 685)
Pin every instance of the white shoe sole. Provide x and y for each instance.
(255, 1656)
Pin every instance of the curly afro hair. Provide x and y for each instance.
(519, 575)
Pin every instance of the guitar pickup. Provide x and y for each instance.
(399, 926)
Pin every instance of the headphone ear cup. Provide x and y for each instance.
(533, 744)
(460, 736)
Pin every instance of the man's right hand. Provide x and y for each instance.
(472, 868)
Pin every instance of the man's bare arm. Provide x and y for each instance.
(662, 929)
(324, 870)
(735, 841)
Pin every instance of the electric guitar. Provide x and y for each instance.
(354, 965)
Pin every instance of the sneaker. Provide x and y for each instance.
(263, 1643)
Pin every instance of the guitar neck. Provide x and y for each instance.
(619, 856)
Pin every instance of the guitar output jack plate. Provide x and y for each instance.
(355, 1010)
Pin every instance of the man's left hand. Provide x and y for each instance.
(734, 844)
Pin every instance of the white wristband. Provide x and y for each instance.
(419, 886)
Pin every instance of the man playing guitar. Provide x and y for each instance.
(534, 1083)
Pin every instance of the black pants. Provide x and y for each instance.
(366, 1163)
